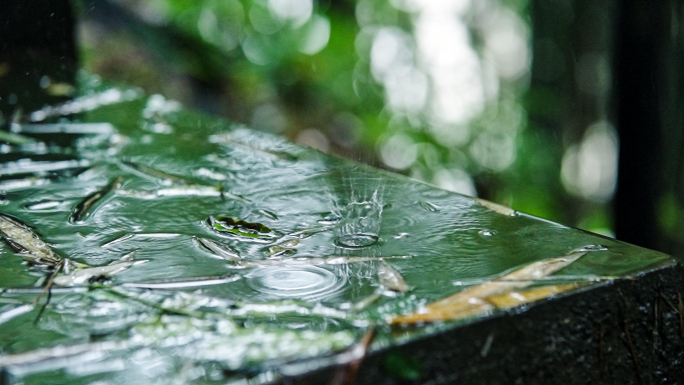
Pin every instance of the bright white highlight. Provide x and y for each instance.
(590, 168)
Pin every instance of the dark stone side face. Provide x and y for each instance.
(627, 332)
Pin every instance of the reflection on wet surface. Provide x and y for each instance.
(206, 247)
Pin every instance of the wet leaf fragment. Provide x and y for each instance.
(283, 247)
(181, 283)
(65, 272)
(220, 249)
(155, 173)
(85, 274)
(496, 207)
(390, 278)
(306, 233)
(225, 224)
(83, 207)
(479, 299)
(27, 243)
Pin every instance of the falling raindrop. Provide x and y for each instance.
(360, 224)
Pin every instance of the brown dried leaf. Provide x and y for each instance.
(517, 298)
(475, 300)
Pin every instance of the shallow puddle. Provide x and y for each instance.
(256, 251)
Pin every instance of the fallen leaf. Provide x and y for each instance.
(390, 278)
(220, 249)
(27, 243)
(224, 224)
(517, 298)
(496, 207)
(475, 300)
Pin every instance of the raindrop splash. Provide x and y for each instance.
(360, 224)
(359, 204)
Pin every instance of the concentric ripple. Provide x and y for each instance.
(303, 283)
(356, 240)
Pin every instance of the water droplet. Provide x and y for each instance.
(486, 233)
(306, 283)
(356, 240)
(429, 206)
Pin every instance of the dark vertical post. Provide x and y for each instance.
(641, 55)
(38, 57)
(568, 91)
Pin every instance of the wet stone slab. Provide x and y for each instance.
(148, 244)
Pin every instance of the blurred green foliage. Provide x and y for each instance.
(442, 91)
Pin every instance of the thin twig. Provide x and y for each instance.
(48, 290)
(42, 308)
(667, 301)
(346, 375)
(50, 281)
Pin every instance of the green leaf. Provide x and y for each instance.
(225, 224)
